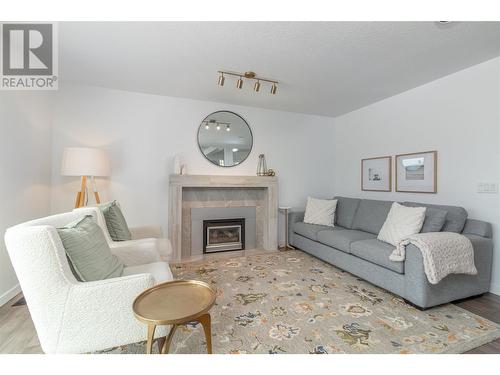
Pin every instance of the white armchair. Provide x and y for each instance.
(72, 316)
(148, 240)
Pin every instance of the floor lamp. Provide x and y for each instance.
(85, 162)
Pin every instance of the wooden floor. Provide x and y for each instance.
(17, 332)
(487, 306)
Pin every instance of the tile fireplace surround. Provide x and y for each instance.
(197, 191)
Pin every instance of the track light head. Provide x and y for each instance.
(228, 128)
(218, 126)
(239, 83)
(207, 126)
(274, 88)
(222, 79)
(256, 87)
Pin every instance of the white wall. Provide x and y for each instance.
(25, 169)
(142, 133)
(458, 115)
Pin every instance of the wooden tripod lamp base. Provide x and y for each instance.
(81, 196)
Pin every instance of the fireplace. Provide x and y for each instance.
(223, 235)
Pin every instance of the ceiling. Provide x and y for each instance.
(324, 68)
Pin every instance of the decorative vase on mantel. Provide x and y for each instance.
(262, 167)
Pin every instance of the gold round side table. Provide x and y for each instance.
(175, 303)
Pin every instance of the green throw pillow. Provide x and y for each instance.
(115, 222)
(88, 252)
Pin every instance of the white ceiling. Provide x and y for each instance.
(324, 68)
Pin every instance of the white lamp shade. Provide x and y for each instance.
(80, 161)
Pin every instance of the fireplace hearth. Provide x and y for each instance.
(223, 235)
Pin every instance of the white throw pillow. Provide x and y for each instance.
(401, 222)
(320, 211)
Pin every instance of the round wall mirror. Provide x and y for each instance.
(225, 138)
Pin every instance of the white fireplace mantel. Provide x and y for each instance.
(179, 182)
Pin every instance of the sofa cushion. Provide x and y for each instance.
(455, 217)
(376, 252)
(88, 252)
(341, 238)
(346, 209)
(309, 230)
(159, 270)
(371, 215)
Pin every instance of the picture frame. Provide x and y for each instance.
(416, 172)
(376, 174)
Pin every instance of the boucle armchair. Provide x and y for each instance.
(146, 240)
(72, 316)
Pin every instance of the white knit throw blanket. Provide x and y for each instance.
(444, 253)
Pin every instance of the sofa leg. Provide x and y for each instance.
(415, 306)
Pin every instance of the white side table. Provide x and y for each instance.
(285, 211)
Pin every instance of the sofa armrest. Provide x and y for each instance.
(477, 227)
(165, 250)
(483, 254)
(136, 252)
(98, 314)
(149, 231)
(294, 217)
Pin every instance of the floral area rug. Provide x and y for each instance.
(291, 302)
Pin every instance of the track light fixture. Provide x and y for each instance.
(250, 76)
(217, 125)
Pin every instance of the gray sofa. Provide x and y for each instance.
(352, 245)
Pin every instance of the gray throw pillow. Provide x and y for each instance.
(115, 222)
(434, 220)
(88, 252)
(455, 217)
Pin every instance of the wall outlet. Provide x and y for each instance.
(487, 188)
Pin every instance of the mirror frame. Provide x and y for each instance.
(210, 161)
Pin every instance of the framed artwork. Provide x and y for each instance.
(417, 172)
(376, 174)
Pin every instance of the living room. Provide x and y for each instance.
(250, 187)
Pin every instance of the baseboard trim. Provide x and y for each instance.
(8, 295)
(495, 289)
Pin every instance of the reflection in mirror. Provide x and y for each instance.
(225, 138)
